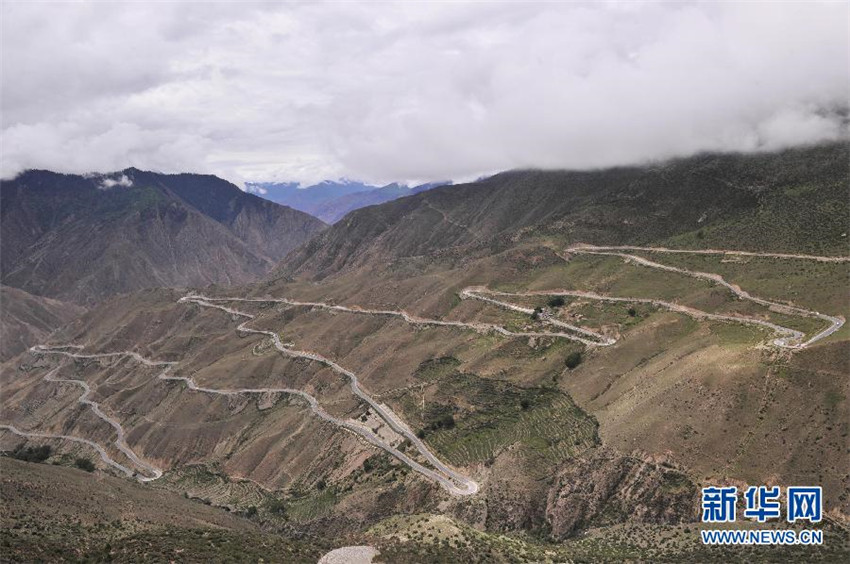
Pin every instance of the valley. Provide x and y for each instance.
(392, 433)
(523, 388)
(424, 283)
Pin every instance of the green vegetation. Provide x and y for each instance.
(437, 368)
(32, 454)
(84, 464)
(75, 543)
(813, 217)
(494, 416)
(556, 301)
(807, 283)
(430, 538)
(211, 486)
(316, 504)
(573, 360)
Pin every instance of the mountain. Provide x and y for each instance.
(137, 524)
(576, 402)
(330, 200)
(751, 202)
(310, 198)
(27, 320)
(81, 238)
(334, 210)
(269, 229)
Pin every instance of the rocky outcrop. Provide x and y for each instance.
(604, 487)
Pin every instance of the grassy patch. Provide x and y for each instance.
(312, 506)
(489, 416)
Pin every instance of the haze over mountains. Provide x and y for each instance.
(331, 200)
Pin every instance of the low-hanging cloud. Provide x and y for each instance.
(412, 92)
(108, 182)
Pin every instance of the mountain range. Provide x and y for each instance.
(757, 201)
(539, 366)
(331, 200)
(82, 238)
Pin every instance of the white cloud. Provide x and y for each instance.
(255, 189)
(108, 183)
(384, 92)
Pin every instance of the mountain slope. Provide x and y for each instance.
(755, 202)
(671, 399)
(334, 210)
(82, 238)
(101, 518)
(26, 320)
(268, 228)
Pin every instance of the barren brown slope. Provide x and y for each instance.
(26, 320)
(789, 201)
(65, 236)
(269, 229)
(54, 513)
(680, 401)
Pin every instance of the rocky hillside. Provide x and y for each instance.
(26, 319)
(752, 202)
(73, 515)
(80, 238)
(581, 450)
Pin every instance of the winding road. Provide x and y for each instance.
(453, 481)
(794, 340)
(818, 258)
(442, 474)
(450, 479)
(103, 454)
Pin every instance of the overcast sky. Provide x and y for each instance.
(384, 91)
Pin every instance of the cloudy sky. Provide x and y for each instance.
(391, 91)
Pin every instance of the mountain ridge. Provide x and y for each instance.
(331, 200)
(81, 238)
(730, 199)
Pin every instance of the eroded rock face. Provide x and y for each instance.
(604, 487)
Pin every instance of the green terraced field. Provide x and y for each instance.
(495, 416)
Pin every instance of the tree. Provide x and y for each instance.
(32, 454)
(556, 301)
(573, 359)
(632, 312)
(276, 507)
(84, 464)
(448, 421)
(524, 404)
